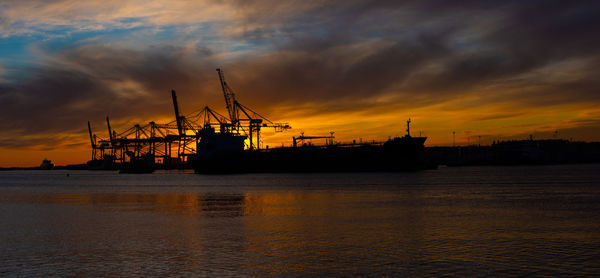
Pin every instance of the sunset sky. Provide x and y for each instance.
(495, 69)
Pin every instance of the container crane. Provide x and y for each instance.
(183, 125)
(255, 121)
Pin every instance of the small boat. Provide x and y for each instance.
(46, 165)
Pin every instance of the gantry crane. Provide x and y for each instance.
(148, 140)
(184, 148)
(253, 120)
(100, 146)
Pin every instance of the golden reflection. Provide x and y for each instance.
(230, 204)
(301, 232)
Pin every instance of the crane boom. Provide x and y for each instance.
(229, 97)
(177, 117)
(91, 136)
(110, 135)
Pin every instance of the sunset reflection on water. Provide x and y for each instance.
(467, 221)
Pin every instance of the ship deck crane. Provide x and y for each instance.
(329, 140)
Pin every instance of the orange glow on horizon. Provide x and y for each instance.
(436, 122)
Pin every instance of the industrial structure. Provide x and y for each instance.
(329, 140)
(209, 142)
(171, 145)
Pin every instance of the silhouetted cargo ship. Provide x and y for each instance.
(224, 153)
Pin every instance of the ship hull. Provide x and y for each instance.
(102, 164)
(392, 157)
(139, 165)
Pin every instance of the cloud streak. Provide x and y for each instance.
(39, 17)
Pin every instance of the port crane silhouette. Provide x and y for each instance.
(243, 118)
(157, 140)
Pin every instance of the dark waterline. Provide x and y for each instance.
(534, 220)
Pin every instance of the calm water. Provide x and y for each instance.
(472, 221)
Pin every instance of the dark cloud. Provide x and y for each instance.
(45, 142)
(428, 54)
(90, 82)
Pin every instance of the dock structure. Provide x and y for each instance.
(170, 145)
